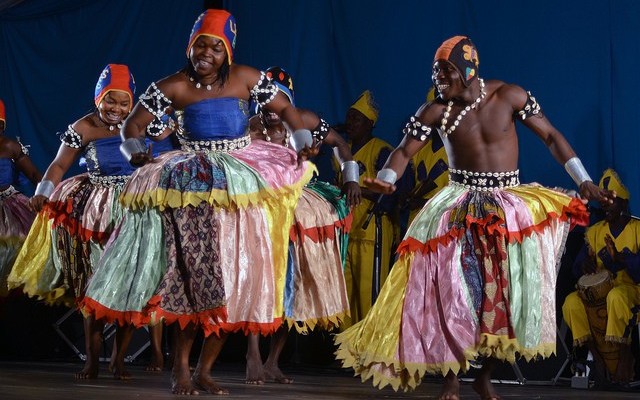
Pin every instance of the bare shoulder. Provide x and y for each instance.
(430, 112)
(244, 73)
(11, 146)
(255, 124)
(172, 84)
(510, 93)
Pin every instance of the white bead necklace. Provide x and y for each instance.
(198, 84)
(447, 112)
(285, 140)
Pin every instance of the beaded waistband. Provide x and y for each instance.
(218, 146)
(108, 180)
(8, 192)
(484, 181)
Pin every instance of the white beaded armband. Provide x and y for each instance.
(132, 146)
(300, 139)
(350, 171)
(387, 175)
(576, 170)
(44, 188)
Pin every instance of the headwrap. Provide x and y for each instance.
(282, 80)
(367, 106)
(218, 24)
(115, 77)
(611, 181)
(462, 53)
(3, 115)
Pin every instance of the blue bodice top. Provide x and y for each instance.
(216, 119)
(7, 172)
(103, 157)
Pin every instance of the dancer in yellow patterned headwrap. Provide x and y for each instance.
(612, 244)
(370, 153)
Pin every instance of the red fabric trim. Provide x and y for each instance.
(576, 213)
(320, 233)
(60, 213)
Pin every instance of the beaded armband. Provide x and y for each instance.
(158, 125)
(24, 149)
(155, 101)
(530, 108)
(264, 91)
(71, 138)
(416, 129)
(320, 132)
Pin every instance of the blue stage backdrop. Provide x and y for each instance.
(578, 59)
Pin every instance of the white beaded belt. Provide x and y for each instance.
(10, 191)
(218, 146)
(484, 181)
(108, 180)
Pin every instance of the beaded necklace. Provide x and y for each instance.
(107, 125)
(447, 112)
(285, 140)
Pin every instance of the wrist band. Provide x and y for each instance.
(44, 188)
(387, 175)
(132, 146)
(300, 139)
(350, 171)
(576, 170)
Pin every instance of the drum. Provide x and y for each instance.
(593, 290)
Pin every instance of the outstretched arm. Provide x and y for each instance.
(561, 150)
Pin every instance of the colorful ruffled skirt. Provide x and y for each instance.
(204, 241)
(475, 276)
(315, 291)
(66, 240)
(15, 220)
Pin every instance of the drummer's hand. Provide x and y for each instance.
(589, 266)
(378, 186)
(611, 246)
(590, 191)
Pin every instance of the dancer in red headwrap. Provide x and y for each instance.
(205, 237)
(76, 216)
(477, 267)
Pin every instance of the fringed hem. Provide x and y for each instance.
(581, 340)
(575, 213)
(173, 198)
(617, 339)
(388, 371)
(89, 306)
(326, 323)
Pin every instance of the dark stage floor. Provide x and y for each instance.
(54, 380)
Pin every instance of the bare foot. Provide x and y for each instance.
(207, 383)
(485, 389)
(273, 372)
(121, 374)
(450, 388)
(88, 372)
(254, 372)
(181, 384)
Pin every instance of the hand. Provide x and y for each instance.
(353, 193)
(378, 186)
(590, 191)
(307, 153)
(140, 159)
(37, 202)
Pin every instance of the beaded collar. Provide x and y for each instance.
(447, 112)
